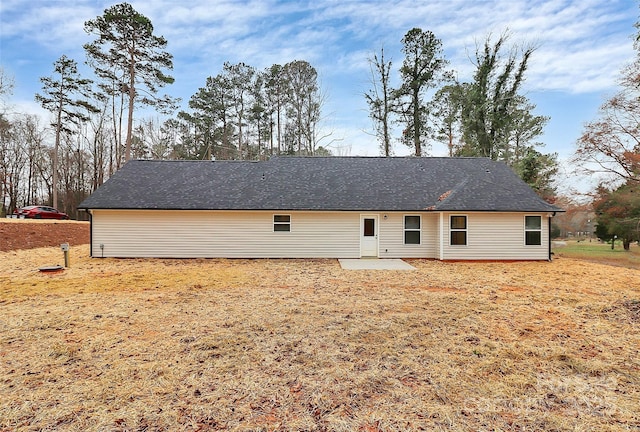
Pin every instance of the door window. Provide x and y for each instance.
(369, 227)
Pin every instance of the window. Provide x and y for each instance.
(533, 230)
(458, 229)
(369, 227)
(282, 223)
(412, 230)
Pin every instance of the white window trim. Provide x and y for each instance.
(466, 230)
(524, 239)
(274, 223)
(404, 230)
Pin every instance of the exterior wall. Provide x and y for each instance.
(495, 236)
(210, 234)
(250, 234)
(392, 236)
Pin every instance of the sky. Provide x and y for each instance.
(581, 47)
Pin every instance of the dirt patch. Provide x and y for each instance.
(29, 234)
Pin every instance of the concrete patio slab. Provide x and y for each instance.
(374, 264)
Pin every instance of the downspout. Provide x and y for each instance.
(90, 232)
(549, 232)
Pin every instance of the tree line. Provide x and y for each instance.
(610, 147)
(247, 113)
(487, 116)
(241, 113)
(244, 113)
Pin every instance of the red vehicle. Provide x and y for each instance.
(39, 212)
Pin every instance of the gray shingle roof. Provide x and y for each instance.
(319, 183)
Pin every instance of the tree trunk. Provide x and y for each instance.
(132, 99)
(271, 133)
(54, 173)
(416, 122)
(127, 154)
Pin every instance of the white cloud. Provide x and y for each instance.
(582, 69)
(576, 53)
(54, 25)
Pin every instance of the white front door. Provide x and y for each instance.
(369, 236)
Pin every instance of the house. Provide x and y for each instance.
(320, 207)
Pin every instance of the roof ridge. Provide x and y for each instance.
(502, 186)
(407, 157)
(194, 160)
(447, 195)
(381, 157)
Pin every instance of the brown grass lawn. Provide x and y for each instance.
(193, 345)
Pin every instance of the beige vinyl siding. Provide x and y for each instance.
(230, 234)
(498, 236)
(392, 236)
(250, 234)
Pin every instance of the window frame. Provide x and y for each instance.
(405, 230)
(364, 231)
(529, 230)
(465, 230)
(281, 223)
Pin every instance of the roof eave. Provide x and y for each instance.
(379, 210)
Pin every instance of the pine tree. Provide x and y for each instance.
(66, 96)
(127, 52)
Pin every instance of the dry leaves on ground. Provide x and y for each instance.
(303, 345)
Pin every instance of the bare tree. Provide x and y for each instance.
(380, 99)
(66, 96)
(14, 137)
(611, 144)
(6, 89)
